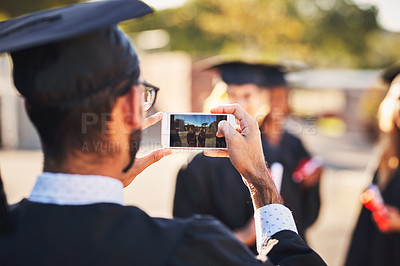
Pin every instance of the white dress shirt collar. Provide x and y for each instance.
(74, 189)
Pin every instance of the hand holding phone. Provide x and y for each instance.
(246, 154)
(142, 163)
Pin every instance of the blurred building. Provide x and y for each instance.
(336, 95)
(16, 129)
(333, 97)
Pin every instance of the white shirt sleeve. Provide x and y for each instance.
(271, 219)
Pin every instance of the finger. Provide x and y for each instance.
(151, 120)
(245, 120)
(155, 156)
(234, 109)
(142, 163)
(216, 153)
(225, 130)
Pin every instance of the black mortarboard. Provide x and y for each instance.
(263, 75)
(63, 55)
(66, 22)
(274, 76)
(239, 73)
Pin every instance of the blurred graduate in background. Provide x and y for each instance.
(213, 186)
(376, 237)
(299, 183)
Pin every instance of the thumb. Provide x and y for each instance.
(142, 163)
(153, 157)
(151, 120)
(225, 130)
(216, 153)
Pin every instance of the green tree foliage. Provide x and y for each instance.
(14, 8)
(324, 33)
(331, 33)
(338, 32)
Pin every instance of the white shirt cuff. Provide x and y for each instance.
(271, 219)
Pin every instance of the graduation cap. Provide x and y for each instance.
(66, 22)
(274, 76)
(69, 53)
(241, 72)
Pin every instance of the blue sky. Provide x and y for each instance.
(196, 120)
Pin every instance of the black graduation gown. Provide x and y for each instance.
(369, 246)
(305, 204)
(213, 186)
(110, 234)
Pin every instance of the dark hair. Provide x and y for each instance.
(63, 81)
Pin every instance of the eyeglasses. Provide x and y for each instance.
(149, 94)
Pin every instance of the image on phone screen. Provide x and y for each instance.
(197, 131)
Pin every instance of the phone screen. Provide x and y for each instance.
(194, 130)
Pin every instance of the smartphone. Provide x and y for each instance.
(193, 130)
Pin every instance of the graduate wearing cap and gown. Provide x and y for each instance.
(72, 64)
(301, 196)
(376, 241)
(213, 186)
